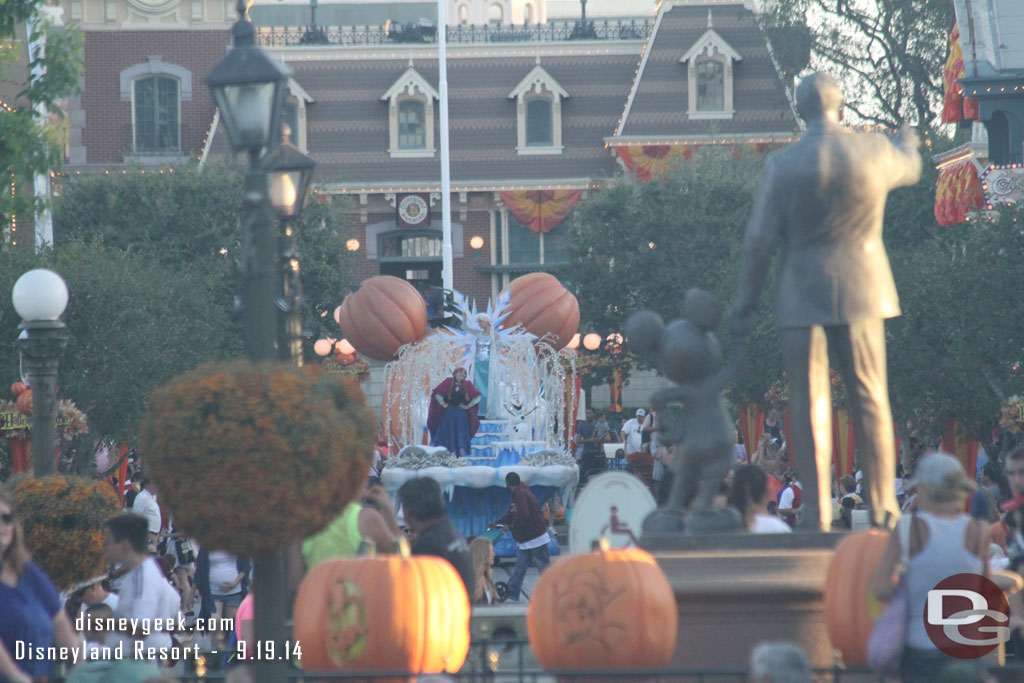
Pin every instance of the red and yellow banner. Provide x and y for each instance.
(652, 161)
(751, 426)
(541, 210)
(843, 443)
(957, 192)
(956, 441)
(615, 387)
(956, 107)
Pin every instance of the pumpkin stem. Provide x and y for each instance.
(402, 547)
(367, 548)
(601, 544)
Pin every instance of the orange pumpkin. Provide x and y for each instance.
(24, 402)
(540, 303)
(850, 609)
(390, 613)
(17, 388)
(385, 314)
(611, 609)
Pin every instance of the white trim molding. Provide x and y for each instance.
(410, 86)
(710, 47)
(538, 84)
(155, 65)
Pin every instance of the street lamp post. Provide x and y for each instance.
(291, 174)
(39, 297)
(248, 86)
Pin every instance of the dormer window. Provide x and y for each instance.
(410, 116)
(709, 67)
(710, 85)
(538, 113)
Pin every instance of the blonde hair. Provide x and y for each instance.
(16, 553)
(480, 549)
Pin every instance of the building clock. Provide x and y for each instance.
(413, 210)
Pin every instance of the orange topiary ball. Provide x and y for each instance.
(385, 314)
(850, 609)
(251, 458)
(63, 520)
(541, 304)
(24, 402)
(611, 609)
(390, 613)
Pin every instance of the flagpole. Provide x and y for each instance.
(446, 199)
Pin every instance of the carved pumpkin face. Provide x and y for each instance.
(611, 609)
(383, 614)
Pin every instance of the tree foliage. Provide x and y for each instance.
(956, 352)
(695, 218)
(30, 145)
(888, 54)
(150, 262)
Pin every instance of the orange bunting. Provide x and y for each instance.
(652, 161)
(541, 210)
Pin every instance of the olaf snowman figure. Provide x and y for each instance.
(521, 431)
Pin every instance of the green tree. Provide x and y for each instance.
(149, 259)
(29, 145)
(694, 218)
(888, 54)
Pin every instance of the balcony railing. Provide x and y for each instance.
(553, 31)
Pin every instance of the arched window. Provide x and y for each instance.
(710, 85)
(156, 115)
(412, 131)
(528, 14)
(496, 15)
(463, 14)
(539, 128)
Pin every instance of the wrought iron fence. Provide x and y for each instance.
(499, 660)
(553, 31)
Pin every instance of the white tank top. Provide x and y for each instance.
(944, 555)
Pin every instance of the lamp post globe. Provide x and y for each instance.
(40, 294)
(40, 297)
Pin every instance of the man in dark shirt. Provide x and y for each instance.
(434, 534)
(529, 530)
(591, 434)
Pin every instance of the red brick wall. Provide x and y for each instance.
(466, 279)
(107, 133)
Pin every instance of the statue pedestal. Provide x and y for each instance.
(737, 590)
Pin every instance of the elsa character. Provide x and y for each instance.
(487, 375)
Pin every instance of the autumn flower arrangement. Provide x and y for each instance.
(70, 421)
(777, 395)
(63, 519)
(250, 458)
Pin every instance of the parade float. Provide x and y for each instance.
(514, 354)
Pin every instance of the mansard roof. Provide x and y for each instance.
(657, 103)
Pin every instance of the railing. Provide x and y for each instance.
(553, 31)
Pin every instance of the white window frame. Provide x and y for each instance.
(298, 96)
(411, 85)
(538, 83)
(710, 46)
(135, 120)
(155, 66)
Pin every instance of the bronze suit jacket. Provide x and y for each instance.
(824, 196)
